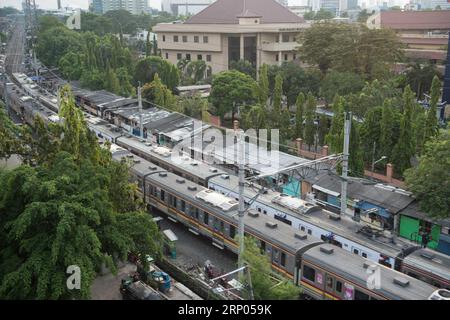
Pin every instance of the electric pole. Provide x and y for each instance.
(347, 127)
(241, 211)
(141, 125)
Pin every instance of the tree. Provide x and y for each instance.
(196, 70)
(323, 14)
(300, 104)
(310, 127)
(431, 122)
(256, 117)
(388, 135)
(147, 68)
(264, 282)
(276, 101)
(335, 136)
(341, 83)
(10, 142)
(404, 149)
(295, 80)
(370, 134)
(74, 207)
(322, 131)
(363, 15)
(430, 180)
(111, 81)
(158, 93)
(263, 85)
(420, 77)
(231, 89)
(355, 159)
(328, 45)
(244, 66)
(71, 66)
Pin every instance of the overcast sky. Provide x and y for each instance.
(52, 4)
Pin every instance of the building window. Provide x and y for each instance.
(309, 273)
(179, 56)
(285, 37)
(208, 57)
(283, 259)
(175, 38)
(164, 38)
(188, 56)
(184, 38)
(167, 55)
(205, 39)
(285, 57)
(309, 231)
(196, 39)
(199, 57)
(276, 57)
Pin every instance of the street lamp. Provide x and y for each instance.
(375, 162)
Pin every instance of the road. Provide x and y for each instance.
(194, 250)
(16, 48)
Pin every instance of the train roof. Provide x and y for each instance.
(321, 218)
(138, 165)
(431, 261)
(278, 233)
(103, 127)
(394, 285)
(182, 163)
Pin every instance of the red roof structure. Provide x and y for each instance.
(416, 20)
(229, 11)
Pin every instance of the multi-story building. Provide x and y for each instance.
(259, 31)
(132, 6)
(425, 33)
(433, 4)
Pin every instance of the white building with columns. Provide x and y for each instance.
(259, 31)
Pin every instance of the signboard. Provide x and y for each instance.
(319, 278)
(348, 291)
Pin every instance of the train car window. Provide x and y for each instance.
(361, 295)
(259, 209)
(196, 213)
(364, 255)
(163, 195)
(329, 283)
(221, 226)
(275, 255)
(338, 286)
(263, 246)
(309, 273)
(309, 231)
(283, 259)
(183, 206)
(265, 212)
(355, 251)
(302, 228)
(205, 218)
(232, 231)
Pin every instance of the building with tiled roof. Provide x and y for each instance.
(425, 33)
(259, 31)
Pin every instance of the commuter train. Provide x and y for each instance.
(322, 270)
(211, 220)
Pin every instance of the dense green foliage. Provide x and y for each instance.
(75, 206)
(430, 180)
(146, 69)
(158, 93)
(265, 284)
(244, 66)
(232, 89)
(329, 46)
(322, 14)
